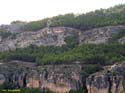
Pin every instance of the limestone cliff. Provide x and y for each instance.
(101, 35)
(44, 37)
(58, 78)
(56, 36)
(111, 80)
(62, 78)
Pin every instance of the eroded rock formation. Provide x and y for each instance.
(56, 36)
(58, 78)
(111, 80)
(44, 37)
(101, 35)
(62, 78)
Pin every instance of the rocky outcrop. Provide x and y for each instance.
(111, 80)
(62, 78)
(100, 35)
(58, 78)
(44, 37)
(55, 36)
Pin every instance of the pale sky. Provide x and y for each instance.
(28, 10)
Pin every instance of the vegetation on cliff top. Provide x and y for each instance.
(94, 19)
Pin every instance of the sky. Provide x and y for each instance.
(30, 10)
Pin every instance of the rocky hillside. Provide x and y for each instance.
(103, 35)
(69, 69)
(57, 36)
(43, 37)
(65, 54)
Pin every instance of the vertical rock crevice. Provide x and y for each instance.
(110, 85)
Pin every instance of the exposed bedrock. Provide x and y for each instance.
(111, 80)
(58, 78)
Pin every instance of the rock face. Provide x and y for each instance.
(111, 80)
(100, 35)
(62, 78)
(45, 37)
(56, 36)
(58, 78)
